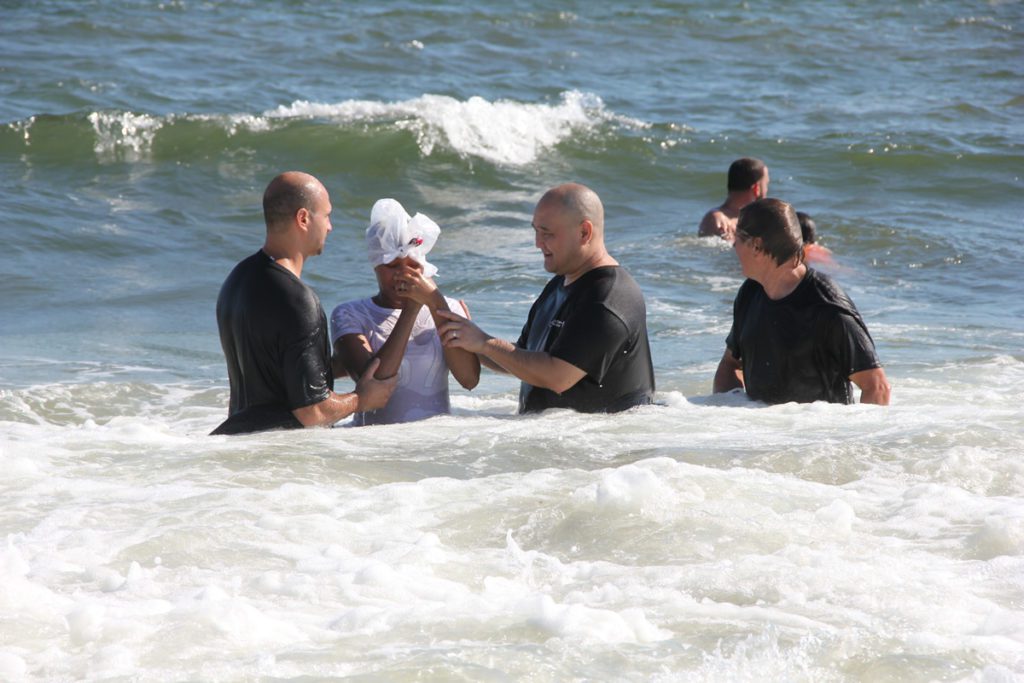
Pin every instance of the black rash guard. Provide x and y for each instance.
(599, 324)
(274, 335)
(802, 347)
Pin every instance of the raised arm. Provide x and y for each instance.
(465, 366)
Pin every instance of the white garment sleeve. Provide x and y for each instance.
(345, 319)
(456, 307)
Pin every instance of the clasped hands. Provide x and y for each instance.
(457, 332)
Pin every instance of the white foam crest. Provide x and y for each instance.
(760, 658)
(124, 135)
(239, 620)
(579, 622)
(586, 616)
(501, 132)
(644, 488)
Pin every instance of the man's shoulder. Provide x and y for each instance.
(715, 212)
(257, 281)
(715, 223)
(827, 290)
(748, 289)
(241, 279)
(244, 267)
(259, 267)
(605, 280)
(610, 289)
(708, 226)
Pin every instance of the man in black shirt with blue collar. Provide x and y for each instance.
(584, 345)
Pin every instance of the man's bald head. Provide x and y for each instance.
(285, 195)
(577, 203)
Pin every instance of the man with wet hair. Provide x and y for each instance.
(273, 329)
(584, 345)
(795, 334)
(747, 181)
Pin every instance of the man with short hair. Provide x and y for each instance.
(747, 182)
(273, 329)
(796, 336)
(584, 345)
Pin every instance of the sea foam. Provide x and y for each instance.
(502, 131)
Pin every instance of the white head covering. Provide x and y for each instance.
(393, 234)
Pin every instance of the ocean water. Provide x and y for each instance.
(705, 538)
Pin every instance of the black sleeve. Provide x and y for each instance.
(852, 345)
(305, 368)
(591, 340)
(732, 342)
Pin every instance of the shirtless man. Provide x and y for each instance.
(748, 181)
(584, 345)
(273, 329)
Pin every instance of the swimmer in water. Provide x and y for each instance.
(747, 181)
(814, 253)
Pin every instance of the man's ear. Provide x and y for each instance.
(586, 231)
(302, 218)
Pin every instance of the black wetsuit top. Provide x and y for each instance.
(803, 347)
(274, 335)
(599, 324)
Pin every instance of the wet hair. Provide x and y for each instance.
(775, 223)
(745, 172)
(807, 227)
(285, 195)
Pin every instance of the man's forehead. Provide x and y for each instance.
(547, 214)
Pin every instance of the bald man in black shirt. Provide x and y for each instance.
(273, 329)
(584, 345)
